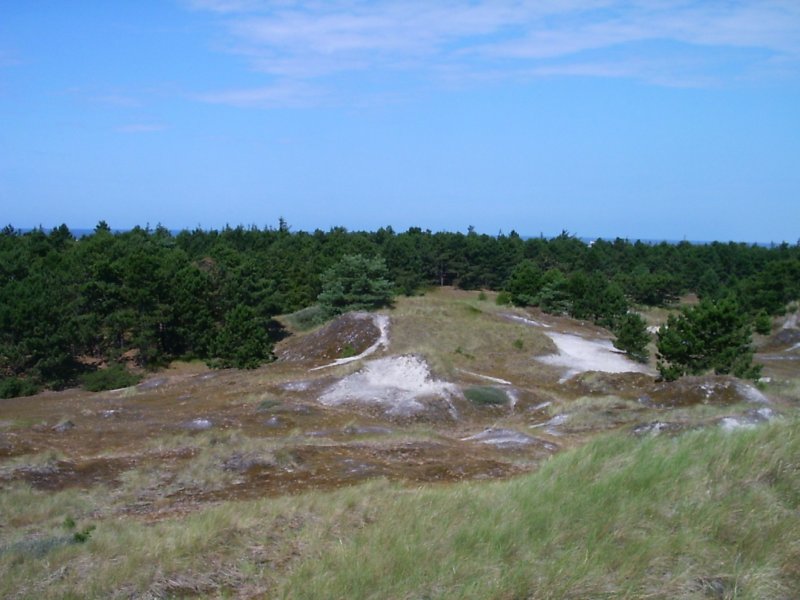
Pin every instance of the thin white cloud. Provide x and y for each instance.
(283, 94)
(316, 42)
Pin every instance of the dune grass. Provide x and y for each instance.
(455, 330)
(703, 514)
(707, 512)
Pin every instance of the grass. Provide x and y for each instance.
(701, 514)
(618, 518)
(597, 413)
(621, 517)
(451, 331)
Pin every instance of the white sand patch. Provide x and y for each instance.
(791, 322)
(732, 424)
(397, 383)
(577, 355)
(749, 420)
(549, 426)
(513, 399)
(751, 394)
(486, 377)
(526, 321)
(296, 386)
(654, 329)
(382, 323)
(504, 438)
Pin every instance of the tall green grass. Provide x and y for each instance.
(704, 513)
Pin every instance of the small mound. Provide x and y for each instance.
(624, 385)
(399, 385)
(712, 389)
(349, 334)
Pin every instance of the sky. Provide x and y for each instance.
(656, 119)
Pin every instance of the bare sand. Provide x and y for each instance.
(577, 355)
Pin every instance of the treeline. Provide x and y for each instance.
(147, 296)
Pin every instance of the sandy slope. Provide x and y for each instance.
(577, 355)
(398, 384)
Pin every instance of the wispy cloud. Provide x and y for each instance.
(140, 128)
(283, 94)
(315, 42)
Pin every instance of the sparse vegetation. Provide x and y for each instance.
(621, 515)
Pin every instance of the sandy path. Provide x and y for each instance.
(486, 377)
(526, 321)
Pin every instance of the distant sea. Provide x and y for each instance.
(80, 232)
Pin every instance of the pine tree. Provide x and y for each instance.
(355, 283)
(632, 337)
(712, 336)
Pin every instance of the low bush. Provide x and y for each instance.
(268, 404)
(111, 378)
(486, 396)
(503, 299)
(306, 318)
(14, 387)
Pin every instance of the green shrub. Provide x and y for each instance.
(14, 387)
(464, 353)
(306, 318)
(111, 378)
(79, 537)
(356, 282)
(486, 396)
(633, 337)
(268, 404)
(347, 351)
(762, 324)
(518, 344)
(503, 299)
(710, 336)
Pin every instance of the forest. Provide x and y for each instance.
(84, 310)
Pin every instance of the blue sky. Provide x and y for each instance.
(658, 119)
